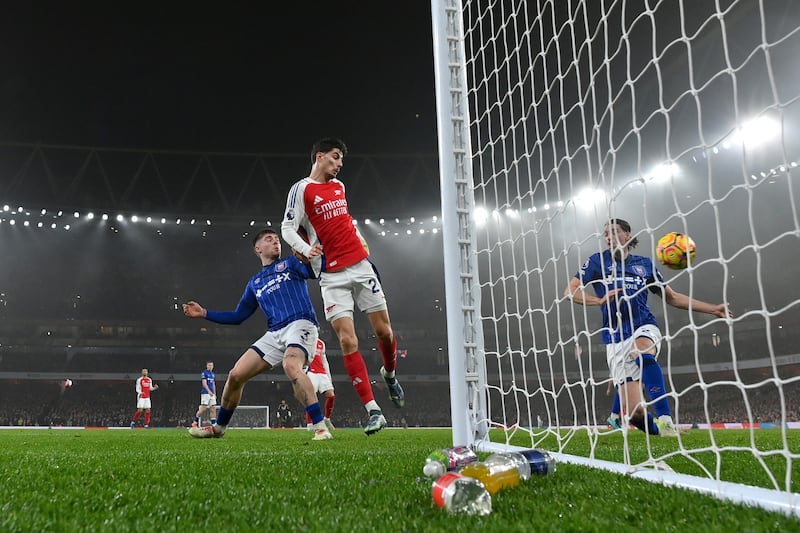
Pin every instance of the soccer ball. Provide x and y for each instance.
(67, 383)
(675, 250)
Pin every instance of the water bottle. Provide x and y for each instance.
(506, 470)
(440, 461)
(461, 494)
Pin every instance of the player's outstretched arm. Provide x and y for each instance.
(575, 292)
(194, 310)
(682, 301)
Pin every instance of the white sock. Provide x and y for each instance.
(372, 405)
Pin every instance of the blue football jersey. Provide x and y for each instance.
(280, 290)
(207, 375)
(629, 309)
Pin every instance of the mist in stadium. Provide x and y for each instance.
(489, 147)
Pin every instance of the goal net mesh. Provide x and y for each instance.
(675, 116)
(251, 416)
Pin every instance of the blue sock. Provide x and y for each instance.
(615, 406)
(653, 379)
(315, 412)
(197, 420)
(224, 416)
(213, 421)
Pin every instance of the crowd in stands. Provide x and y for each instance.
(112, 403)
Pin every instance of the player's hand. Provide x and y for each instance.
(315, 251)
(193, 310)
(722, 311)
(155, 387)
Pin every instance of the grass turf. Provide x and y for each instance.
(162, 480)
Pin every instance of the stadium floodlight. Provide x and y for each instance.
(757, 131)
(662, 173)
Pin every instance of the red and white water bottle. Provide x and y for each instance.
(461, 494)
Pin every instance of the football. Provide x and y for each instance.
(67, 383)
(675, 250)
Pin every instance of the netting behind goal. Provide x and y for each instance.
(679, 116)
(251, 416)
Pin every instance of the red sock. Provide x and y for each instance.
(389, 354)
(308, 418)
(329, 401)
(357, 370)
(136, 416)
(147, 419)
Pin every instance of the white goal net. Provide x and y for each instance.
(675, 115)
(251, 416)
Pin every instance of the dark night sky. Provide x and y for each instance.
(237, 77)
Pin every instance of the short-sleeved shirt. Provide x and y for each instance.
(635, 276)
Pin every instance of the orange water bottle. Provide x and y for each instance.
(506, 470)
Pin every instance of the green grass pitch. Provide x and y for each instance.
(278, 480)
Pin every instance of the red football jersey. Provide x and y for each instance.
(143, 386)
(321, 208)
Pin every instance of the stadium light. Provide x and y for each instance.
(757, 131)
(662, 172)
(480, 215)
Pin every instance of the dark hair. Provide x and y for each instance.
(626, 227)
(326, 145)
(262, 233)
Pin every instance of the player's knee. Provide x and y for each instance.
(235, 378)
(348, 341)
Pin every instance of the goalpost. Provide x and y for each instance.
(555, 116)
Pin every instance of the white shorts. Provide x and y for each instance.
(621, 356)
(300, 334)
(208, 400)
(321, 382)
(355, 285)
(143, 403)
